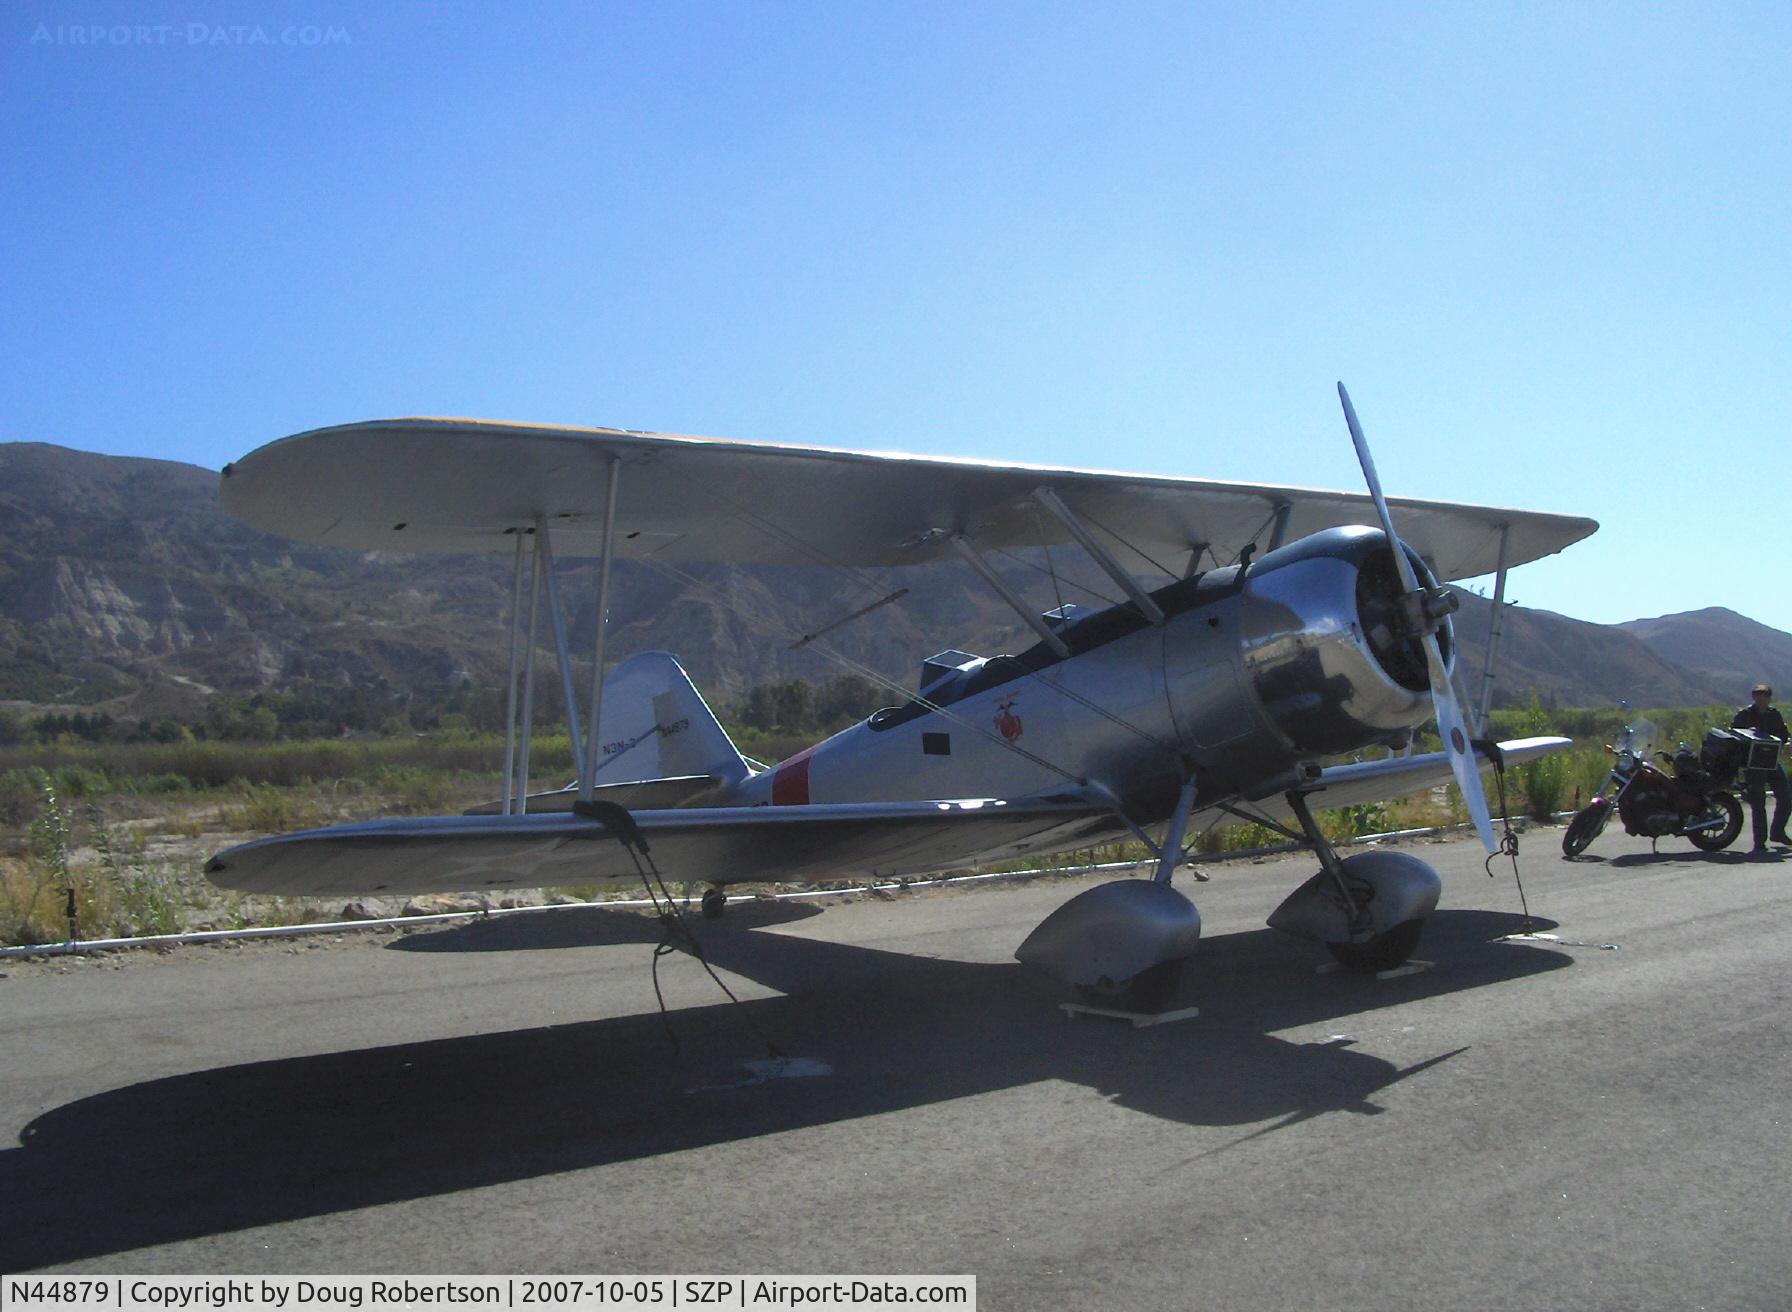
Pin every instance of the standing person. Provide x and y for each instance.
(1760, 716)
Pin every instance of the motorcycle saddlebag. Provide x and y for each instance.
(1723, 752)
(1763, 754)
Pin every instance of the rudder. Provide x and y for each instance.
(656, 725)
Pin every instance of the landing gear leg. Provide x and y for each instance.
(1328, 857)
(1171, 852)
(715, 902)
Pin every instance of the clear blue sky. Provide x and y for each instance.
(1546, 246)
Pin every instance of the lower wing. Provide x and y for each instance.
(1398, 776)
(720, 845)
(738, 844)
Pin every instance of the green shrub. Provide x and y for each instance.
(35, 893)
(1588, 771)
(264, 809)
(152, 784)
(1356, 821)
(1545, 784)
(416, 790)
(77, 781)
(27, 902)
(148, 900)
(20, 795)
(51, 831)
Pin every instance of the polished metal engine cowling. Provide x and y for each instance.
(1322, 645)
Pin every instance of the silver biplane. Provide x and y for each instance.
(1230, 692)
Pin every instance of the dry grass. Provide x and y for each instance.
(265, 809)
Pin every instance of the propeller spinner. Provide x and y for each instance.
(1428, 609)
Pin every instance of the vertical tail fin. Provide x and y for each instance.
(656, 725)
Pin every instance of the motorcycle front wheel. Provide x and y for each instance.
(1584, 828)
(1721, 836)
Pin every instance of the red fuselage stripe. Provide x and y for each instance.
(790, 784)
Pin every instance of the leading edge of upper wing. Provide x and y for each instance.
(471, 485)
(717, 845)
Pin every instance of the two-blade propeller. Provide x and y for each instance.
(1450, 724)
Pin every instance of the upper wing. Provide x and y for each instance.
(470, 485)
(721, 845)
(1375, 781)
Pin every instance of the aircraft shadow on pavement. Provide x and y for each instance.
(265, 1142)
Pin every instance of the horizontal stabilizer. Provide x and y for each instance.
(646, 794)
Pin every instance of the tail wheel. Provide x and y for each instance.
(1383, 952)
(1721, 836)
(1583, 829)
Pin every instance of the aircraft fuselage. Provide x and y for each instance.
(1253, 671)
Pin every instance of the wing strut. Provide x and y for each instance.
(588, 767)
(585, 748)
(516, 638)
(1171, 853)
(974, 558)
(1495, 626)
(1278, 530)
(527, 722)
(545, 547)
(1098, 553)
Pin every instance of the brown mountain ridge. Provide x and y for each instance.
(124, 587)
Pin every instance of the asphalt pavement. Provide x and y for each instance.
(1598, 1120)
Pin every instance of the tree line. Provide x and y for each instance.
(376, 707)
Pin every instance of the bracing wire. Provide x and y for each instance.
(1252, 540)
(1037, 568)
(871, 582)
(1112, 717)
(880, 587)
(1137, 551)
(882, 680)
(1039, 676)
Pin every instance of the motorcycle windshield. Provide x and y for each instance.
(1637, 738)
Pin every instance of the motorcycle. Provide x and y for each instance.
(1695, 800)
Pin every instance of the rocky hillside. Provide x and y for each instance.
(1731, 647)
(1568, 662)
(124, 587)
